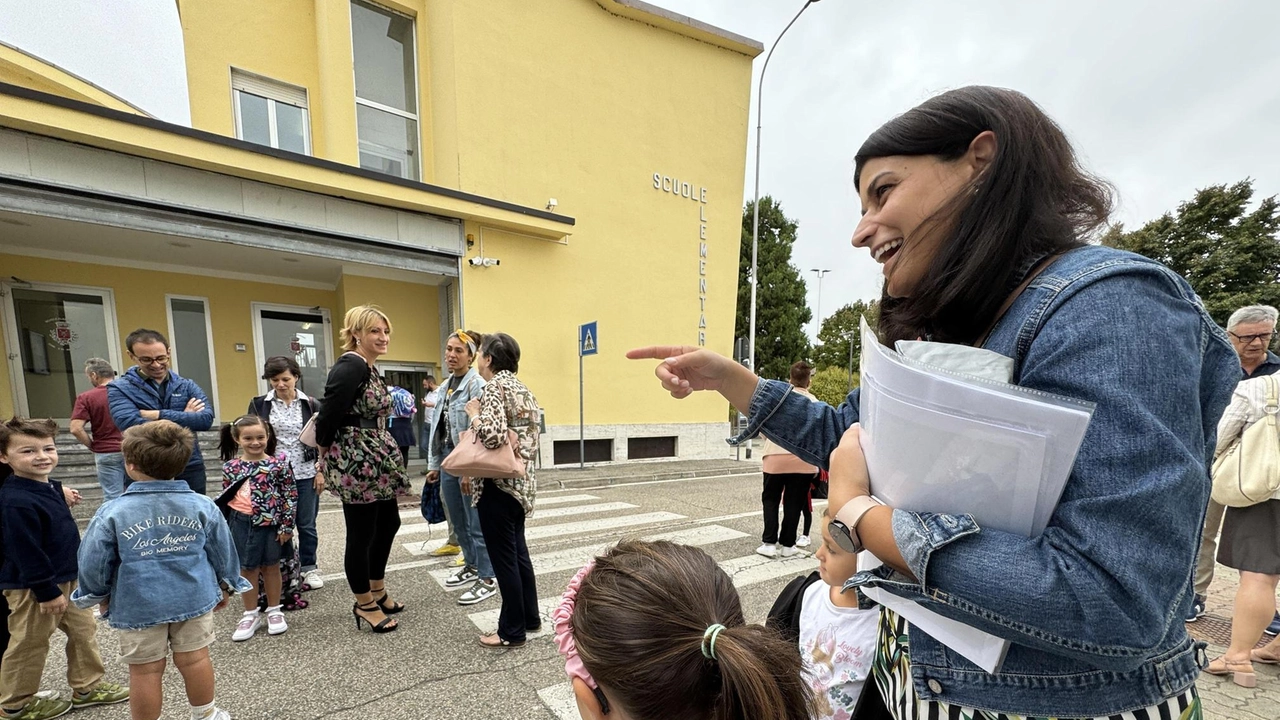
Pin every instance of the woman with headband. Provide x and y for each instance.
(448, 419)
(655, 630)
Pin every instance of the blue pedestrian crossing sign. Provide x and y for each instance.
(588, 339)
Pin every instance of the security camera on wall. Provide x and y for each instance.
(484, 262)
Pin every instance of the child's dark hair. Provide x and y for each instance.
(229, 445)
(45, 429)
(640, 622)
(159, 449)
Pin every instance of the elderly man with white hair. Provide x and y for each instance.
(1251, 330)
(92, 425)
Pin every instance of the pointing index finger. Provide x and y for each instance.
(659, 352)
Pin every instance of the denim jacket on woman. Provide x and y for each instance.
(1094, 606)
(470, 386)
(160, 553)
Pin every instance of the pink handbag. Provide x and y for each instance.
(472, 459)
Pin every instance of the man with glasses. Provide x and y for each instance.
(151, 391)
(1251, 330)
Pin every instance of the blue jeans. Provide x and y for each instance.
(110, 468)
(466, 523)
(308, 508)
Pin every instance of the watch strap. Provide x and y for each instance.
(853, 511)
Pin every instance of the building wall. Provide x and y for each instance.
(413, 309)
(588, 119)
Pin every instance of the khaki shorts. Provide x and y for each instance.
(148, 645)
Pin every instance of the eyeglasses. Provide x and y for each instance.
(159, 360)
(1248, 339)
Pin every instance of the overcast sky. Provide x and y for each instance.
(1160, 98)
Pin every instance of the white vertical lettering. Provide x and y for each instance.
(702, 211)
(704, 195)
(702, 322)
(666, 183)
(702, 338)
(702, 249)
(702, 267)
(702, 232)
(702, 285)
(657, 181)
(703, 300)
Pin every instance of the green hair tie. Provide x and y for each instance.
(709, 641)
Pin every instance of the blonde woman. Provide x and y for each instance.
(362, 463)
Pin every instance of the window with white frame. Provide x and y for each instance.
(270, 113)
(383, 45)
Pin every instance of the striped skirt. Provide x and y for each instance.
(892, 673)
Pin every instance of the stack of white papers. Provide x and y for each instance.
(944, 431)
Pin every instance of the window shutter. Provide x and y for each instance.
(267, 88)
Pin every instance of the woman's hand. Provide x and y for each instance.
(433, 476)
(685, 369)
(473, 408)
(465, 483)
(283, 537)
(848, 473)
(319, 482)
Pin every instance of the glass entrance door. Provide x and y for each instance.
(51, 331)
(410, 377)
(300, 333)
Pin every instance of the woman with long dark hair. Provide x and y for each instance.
(978, 210)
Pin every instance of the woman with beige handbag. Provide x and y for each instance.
(1247, 467)
(506, 420)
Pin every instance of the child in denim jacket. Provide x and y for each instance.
(160, 534)
(260, 500)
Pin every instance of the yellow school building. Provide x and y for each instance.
(499, 166)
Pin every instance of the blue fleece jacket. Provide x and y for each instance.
(132, 393)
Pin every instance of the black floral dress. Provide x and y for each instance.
(364, 465)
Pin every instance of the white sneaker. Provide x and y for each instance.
(768, 550)
(482, 590)
(276, 624)
(248, 625)
(312, 578)
(787, 551)
(802, 541)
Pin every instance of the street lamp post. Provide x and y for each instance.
(755, 219)
(817, 315)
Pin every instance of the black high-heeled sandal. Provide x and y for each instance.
(383, 627)
(388, 609)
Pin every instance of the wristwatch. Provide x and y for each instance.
(844, 528)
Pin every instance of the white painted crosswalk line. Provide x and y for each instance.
(574, 558)
(417, 528)
(745, 571)
(559, 512)
(540, 532)
(544, 501)
(560, 701)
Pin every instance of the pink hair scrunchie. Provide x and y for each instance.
(562, 622)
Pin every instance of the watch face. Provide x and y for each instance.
(844, 537)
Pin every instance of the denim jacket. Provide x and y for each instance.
(160, 553)
(469, 387)
(1094, 606)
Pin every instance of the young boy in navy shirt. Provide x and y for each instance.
(38, 574)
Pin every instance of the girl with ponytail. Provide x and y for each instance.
(655, 630)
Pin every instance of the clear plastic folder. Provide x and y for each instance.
(944, 431)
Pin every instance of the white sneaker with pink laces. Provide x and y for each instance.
(276, 624)
(248, 625)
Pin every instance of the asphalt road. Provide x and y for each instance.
(432, 667)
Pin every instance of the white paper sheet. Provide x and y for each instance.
(944, 432)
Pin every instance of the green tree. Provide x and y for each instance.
(838, 329)
(831, 385)
(1230, 256)
(781, 310)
